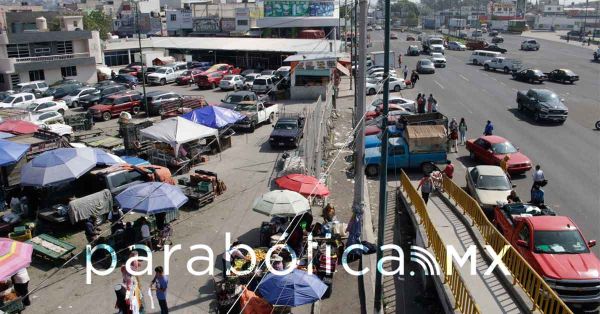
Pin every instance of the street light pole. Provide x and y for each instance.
(137, 26)
(585, 19)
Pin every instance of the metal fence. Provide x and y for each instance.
(317, 131)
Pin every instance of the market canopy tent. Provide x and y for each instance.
(303, 184)
(58, 165)
(14, 256)
(213, 116)
(18, 127)
(294, 289)
(282, 203)
(11, 152)
(177, 131)
(151, 198)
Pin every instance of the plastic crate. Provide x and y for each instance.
(205, 187)
(21, 238)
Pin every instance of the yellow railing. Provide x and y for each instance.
(462, 296)
(542, 296)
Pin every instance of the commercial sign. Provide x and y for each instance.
(298, 8)
(207, 25)
(316, 64)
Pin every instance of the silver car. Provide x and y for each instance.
(425, 66)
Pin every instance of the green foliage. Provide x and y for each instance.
(54, 24)
(98, 21)
(404, 8)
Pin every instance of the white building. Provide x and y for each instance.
(553, 9)
(284, 16)
(179, 22)
(49, 56)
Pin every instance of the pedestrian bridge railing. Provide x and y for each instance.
(463, 298)
(542, 296)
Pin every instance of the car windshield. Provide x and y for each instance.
(425, 62)
(537, 72)
(245, 107)
(234, 99)
(8, 99)
(163, 70)
(559, 242)
(250, 78)
(437, 55)
(548, 97)
(260, 82)
(569, 72)
(499, 183)
(32, 107)
(504, 148)
(286, 125)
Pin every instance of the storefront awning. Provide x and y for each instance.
(343, 69)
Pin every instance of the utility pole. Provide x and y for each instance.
(355, 42)
(384, 155)
(585, 19)
(359, 112)
(137, 26)
(346, 31)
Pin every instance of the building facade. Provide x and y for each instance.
(179, 22)
(284, 18)
(49, 55)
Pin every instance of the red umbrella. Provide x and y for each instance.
(18, 127)
(303, 184)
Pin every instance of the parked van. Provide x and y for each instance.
(263, 84)
(481, 56)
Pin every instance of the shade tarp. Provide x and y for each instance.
(11, 152)
(303, 184)
(342, 69)
(177, 131)
(95, 204)
(213, 116)
(18, 127)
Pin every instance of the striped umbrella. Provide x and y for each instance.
(14, 255)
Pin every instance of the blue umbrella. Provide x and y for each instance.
(107, 159)
(294, 289)
(57, 166)
(151, 198)
(11, 152)
(213, 116)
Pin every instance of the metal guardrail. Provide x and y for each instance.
(463, 298)
(543, 297)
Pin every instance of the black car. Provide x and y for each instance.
(562, 75)
(65, 82)
(60, 91)
(529, 75)
(543, 104)
(494, 48)
(497, 39)
(287, 132)
(127, 80)
(493, 33)
(102, 92)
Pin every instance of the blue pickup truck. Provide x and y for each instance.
(375, 140)
(400, 156)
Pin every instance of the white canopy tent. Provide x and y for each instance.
(177, 131)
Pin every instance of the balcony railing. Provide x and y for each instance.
(53, 57)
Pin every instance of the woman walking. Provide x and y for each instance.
(462, 129)
(453, 135)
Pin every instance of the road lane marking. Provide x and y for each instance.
(440, 85)
(502, 83)
(514, 89)
(493, 78)
(464, 78)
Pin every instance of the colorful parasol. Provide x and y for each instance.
(14, 255)
(303, 184)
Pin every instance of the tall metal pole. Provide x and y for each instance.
(384, 155)
(355, 41)
(361, 99)
(585, 19)
(137, 26)
(346, 30)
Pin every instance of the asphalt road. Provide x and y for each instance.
(567, 153)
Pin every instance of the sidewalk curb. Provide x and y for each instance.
(369, 261)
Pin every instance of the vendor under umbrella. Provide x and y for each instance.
(231, 255)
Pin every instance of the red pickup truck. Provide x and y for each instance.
(113, 105)
(556, 249)
(210, 80)
(223, 68)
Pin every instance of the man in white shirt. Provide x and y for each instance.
(145, 231)
(21, 282)
(538, 176)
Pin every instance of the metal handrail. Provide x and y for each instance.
(543, 297)
(463, 298)
(52, 57)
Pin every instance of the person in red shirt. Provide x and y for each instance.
(449, 170)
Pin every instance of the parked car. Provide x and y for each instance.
(113, 105)
(497, 39)
(60, 91)
(155, 99)
(249, 80)
(210, 80)
(256, 113)
(529, 75)
(47, 118)
(492, 149)
(530, 44)
(188, 77)
(544, 104)
(127, 80)
(66, 81)
(249, 71)
(425, 66)
(393, 101)
(147, 71)
(36, 87)
(488, 185)
(438, 59)
(23, 100)
(97, 96)
(476, 44)
(72, 100)
(455, 45)
(287, 132)
(197, 64)
(58, 106)
(413, 50)
(562, 75)
(394, 84)
(493, 33)
(229, 82)
(393, 36)
(130, 71)
(410, 38)
(495, 48)
(501, 63)
(378, 27)
(163, 76)
(263, 84)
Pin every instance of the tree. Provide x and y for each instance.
(98, 21)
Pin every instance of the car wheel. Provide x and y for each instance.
(571, 82)
(163, 82)
(213, 85)
(161, 111)
(506, 70)
(472, 156)
(372, 91)
(520, 106)
(427, 167)
(397, 88)
(597, 125)
(530, 80)
(252, 126)
(135, 110)
(74, 104)
(372, 170)
(536, 117)
(474, 62)
(61, 111)
(106, 116)
(486, 67)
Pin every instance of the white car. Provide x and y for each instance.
(488, 185)
(373, 70)
(33, 87)
(378, 27)
(530, 44)
(437, 48)
(249, 80)
(379, 76)
(58, 106)
(438, 59)
(229, 82)
(47, 118)
(372, 86)
(394, 83)
(23, 100)
(58, 128)
(407, 104)
(72, 100)
(455, 45)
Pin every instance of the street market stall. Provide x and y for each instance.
(217, 118)
(14, 256)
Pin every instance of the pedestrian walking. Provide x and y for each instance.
(453, 127)
(400, 60)
(21, 282)
(425, 185)
(414, 77)
(537, 195)
(430, 101)
(161, 283)
(489, 128)
(421, 103)
(462, 129)
(405, 72)
(449, 170)
(538, 177)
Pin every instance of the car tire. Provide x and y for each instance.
(252, 127)
(506, 70)
(163, 82)
(472, 156)
(61, 111)
(536, 117)
(135, 110)
(397, 88)
(597, 125)
(213, 85)
(571, 82)
(520, 106)
(161, 111)
(74, 104)
(372, 170)
(427, 167)
(486, 67)
(106, 116)
(372, 91)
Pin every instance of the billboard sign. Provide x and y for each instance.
(298, 8)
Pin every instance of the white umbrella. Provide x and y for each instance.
(107, 159)
(58, 165)
(281, 203)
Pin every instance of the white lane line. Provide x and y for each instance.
(495, 79)
(504, 84)
(440, 85)
(464, 78)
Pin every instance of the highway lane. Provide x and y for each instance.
(567, 153)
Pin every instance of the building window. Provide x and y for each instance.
(37, 75)
(64, 47)
(17, 50)
(15, 79)
(116, 58)
(242, 22)
(173, 17)
(75, 24)
(68, 71)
